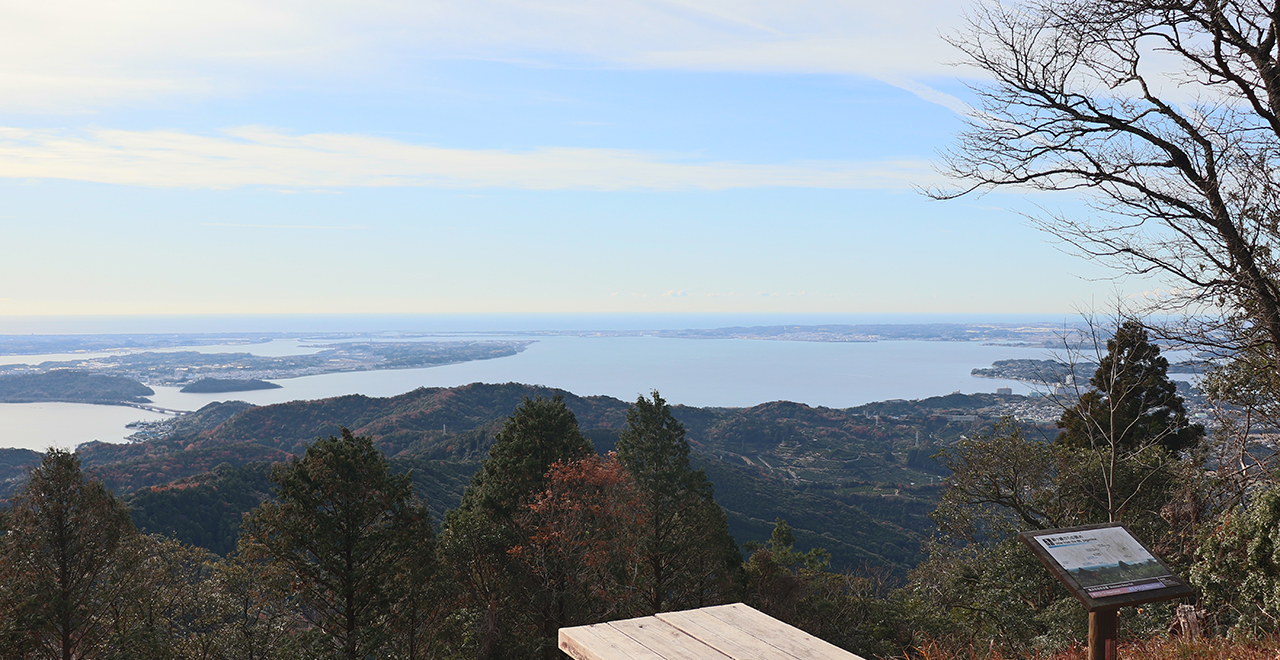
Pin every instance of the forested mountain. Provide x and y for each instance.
(486, 517)
(14, 465)
(858, 482)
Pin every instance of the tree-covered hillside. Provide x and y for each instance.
(513, 519)
(73, 386)
(858, 482)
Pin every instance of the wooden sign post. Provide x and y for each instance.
(1105, 568)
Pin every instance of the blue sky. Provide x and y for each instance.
(528, 156)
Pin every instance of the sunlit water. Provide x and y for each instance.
(40, 426)
(698, 372)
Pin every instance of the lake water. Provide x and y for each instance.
(698, 372)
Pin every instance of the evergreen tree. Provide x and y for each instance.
(1237, 568)
(1133, 404)
(539, 433)
(1122, 439)
(778, 576)
(691, 559)
(343, 527)
(481, 533)
(850, 610)
(56, 563)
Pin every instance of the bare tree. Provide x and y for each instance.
(1166, 114)
(1127, 427)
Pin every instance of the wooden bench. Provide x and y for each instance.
(734, 632)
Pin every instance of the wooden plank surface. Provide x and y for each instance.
(601, 642)
(777, 634)
(723, 637)
(724, 632)
(666, 640)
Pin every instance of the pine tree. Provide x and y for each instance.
(539, 433)
(1122, 439)
(481, 533)
(689, 555)
(56, 562)
(1133, 404)
(343, 526)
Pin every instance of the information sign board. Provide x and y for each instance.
(1104, 566)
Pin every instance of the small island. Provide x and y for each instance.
(218, 385)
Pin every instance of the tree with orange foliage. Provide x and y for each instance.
(580, 546)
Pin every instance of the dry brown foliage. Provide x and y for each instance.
(1160, 648)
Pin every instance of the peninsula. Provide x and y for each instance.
(180, 368)
(73, 387)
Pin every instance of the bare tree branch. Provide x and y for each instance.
(1177, 162)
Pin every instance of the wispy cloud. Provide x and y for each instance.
(927, 93)
(79, 55)
(255, 156)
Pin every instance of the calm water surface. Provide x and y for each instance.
(698, 372)
(40, 426)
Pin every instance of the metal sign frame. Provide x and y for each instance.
(1110, 582)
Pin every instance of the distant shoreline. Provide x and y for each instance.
(1023, 334)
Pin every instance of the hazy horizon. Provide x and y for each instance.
(413, 323)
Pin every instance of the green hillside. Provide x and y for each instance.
(73, 386)
(858, 482)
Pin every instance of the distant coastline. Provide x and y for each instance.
(278, 325)
(718, 373)
(1054, 372)
(1046, 334)
(139, 361)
